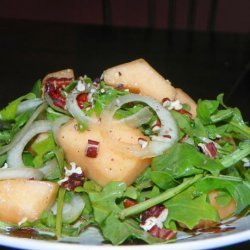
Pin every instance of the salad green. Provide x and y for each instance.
(211, 153)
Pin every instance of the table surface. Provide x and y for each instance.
(203, 64)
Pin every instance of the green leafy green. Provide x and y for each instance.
(104, 202)
(37, 88)
(239, 190)
(184, 160)
(124, 230)
(206, 108)
(189, 210)
(41, 148)
(9, 112)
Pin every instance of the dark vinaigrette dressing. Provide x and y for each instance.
(30, 233)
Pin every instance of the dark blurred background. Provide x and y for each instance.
(202, 46)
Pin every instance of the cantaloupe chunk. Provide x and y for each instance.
(110, 164)
(22, 199)
(224, 212)
(140, 77)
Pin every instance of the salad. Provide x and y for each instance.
(126, 151)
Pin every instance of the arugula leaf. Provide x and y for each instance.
(59, 219)
(241, 152)
(41, 148)
(206, 108)
(168, 194)
(184, 160)
(131, 192)
(187, 209)
(3, 159)
(104, 202)
(37, 88)
(147, 194)
(163, 179)
(238, 190)
(9, 112)
(238, 125)
(101, 100)
(124, 230)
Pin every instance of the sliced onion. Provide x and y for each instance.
(52, 105)
(49, 169)
(23, 131)
(58, 123)
(168, 133)
(71, 210)
(20, 173)
(28, 104)
(75, 111)
(136, 120)
(14, 156)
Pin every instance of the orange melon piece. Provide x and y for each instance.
(110, 164)
(139, 77)
(224, 212)
(22, 199)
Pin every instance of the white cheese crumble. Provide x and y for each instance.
(5, 165)
(155, 221)
(74, 169)
(174, 105)
(68, 172)
(80, 86)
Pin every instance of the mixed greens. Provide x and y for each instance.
(211, 153)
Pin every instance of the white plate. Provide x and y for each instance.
(231, 233)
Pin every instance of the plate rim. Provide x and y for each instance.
(208, 243)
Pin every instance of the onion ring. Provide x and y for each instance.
(14, 156)
(24, 130)
(75, 111)
(168, 133)
(57, 124)
(20, 173)
(28, 104)
(136, 120)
